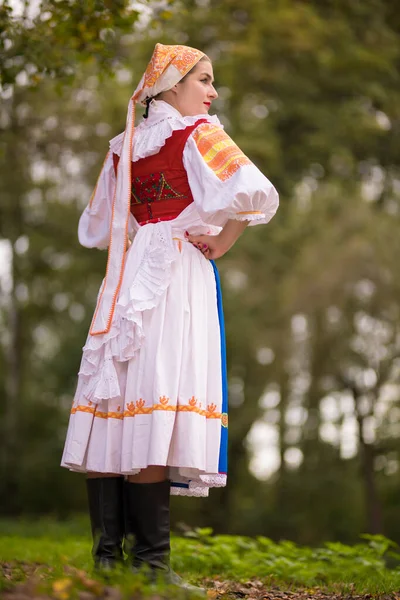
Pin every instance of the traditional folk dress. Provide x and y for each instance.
(152, 383)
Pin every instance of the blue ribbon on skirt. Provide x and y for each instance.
(223, 449)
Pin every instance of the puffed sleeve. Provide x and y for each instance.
(94, 224)
(225, 184)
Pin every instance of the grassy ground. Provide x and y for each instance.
(42, 558)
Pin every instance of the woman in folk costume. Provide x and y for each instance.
(149, 417)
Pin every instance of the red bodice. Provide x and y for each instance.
(160, 187)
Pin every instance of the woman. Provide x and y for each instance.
(149, 416)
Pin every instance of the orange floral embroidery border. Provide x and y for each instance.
(219, 151)
(139, 408)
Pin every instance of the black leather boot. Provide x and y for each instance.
(148, 523)
(105, 495)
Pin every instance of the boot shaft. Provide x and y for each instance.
(105, 499)
(147, 523)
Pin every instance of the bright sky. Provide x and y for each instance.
(18, 6)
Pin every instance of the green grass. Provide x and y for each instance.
(56, 558)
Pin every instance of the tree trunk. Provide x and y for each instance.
(13, 228)
(372, 501)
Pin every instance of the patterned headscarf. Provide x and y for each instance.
(168, 65)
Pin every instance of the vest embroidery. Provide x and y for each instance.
(153, 188)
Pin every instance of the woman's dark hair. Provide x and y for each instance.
(146, 112)
(148, 100)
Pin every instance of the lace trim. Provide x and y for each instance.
(199, 488)
(198, 491)
(149, 138)
(218, 480)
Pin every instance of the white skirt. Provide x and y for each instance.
(150, 391)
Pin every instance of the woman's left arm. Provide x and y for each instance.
(228, 189)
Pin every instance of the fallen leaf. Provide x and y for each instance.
(62, 588)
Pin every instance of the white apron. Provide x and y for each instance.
(150, 390)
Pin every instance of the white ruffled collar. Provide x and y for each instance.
(158, 111)
(150, 135)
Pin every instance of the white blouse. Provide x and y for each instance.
(224, 183)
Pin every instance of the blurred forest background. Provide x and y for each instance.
(310, 90)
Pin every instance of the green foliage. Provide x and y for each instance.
(59, 553)
(242, 558)
(61, 38)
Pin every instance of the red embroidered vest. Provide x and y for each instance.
(160, 187)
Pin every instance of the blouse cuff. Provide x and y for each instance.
(250, 215)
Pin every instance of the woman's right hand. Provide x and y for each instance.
(212, 246)
(215, 246)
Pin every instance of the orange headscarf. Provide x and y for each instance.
(168, 65)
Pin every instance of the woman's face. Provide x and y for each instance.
(194, 95)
